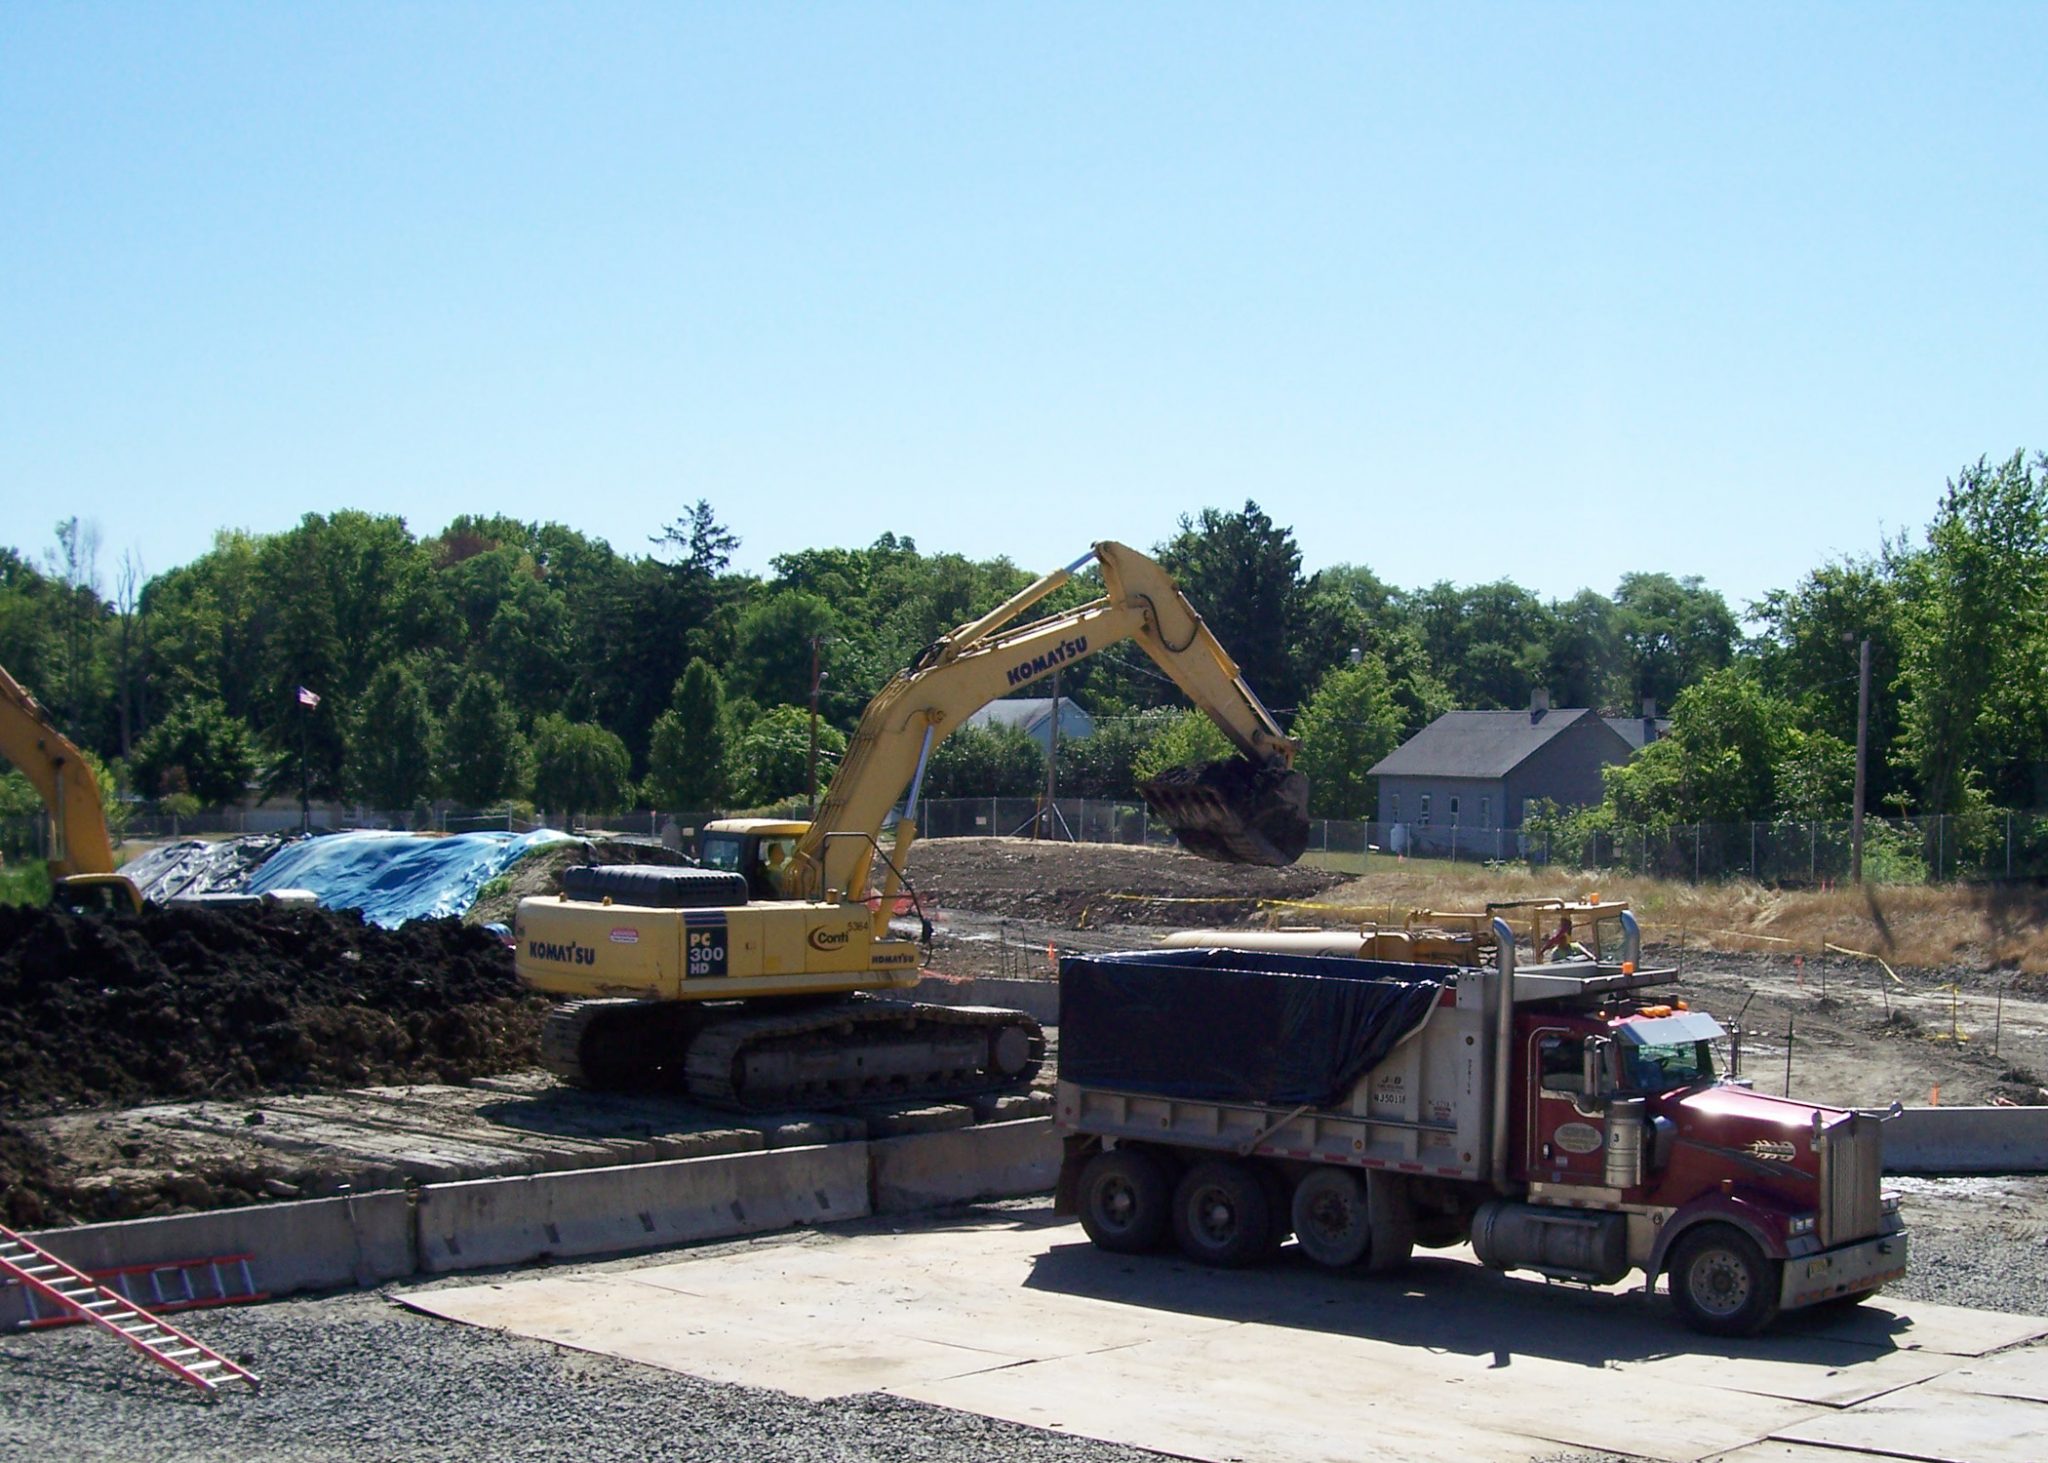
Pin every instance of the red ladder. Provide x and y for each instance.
(77, 1294)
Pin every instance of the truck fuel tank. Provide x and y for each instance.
(1575, 1244)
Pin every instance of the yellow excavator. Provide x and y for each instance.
(82, 873)
(749, 984)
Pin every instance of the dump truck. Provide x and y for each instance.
(1564, 1118)
(760, 982)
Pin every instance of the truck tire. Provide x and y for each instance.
(1721, 1283)
(1331, 1222)
(1222, 1214)
(1125, 1196)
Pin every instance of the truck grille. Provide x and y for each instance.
(1851, 1161)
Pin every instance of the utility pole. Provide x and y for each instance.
(1862, 756)
(816, 677)
(1052, 757)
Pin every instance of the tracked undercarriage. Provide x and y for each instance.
(754, 1057)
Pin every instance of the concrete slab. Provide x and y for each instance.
(2021, 1374)
(1016, 1316)
(1776, 1452)
(1927, 1424)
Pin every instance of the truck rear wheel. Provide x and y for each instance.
(1125, 1196)
(1331, 1221)
(1222, 1214)
(1721, 1283)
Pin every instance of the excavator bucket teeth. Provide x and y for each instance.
(1234, 811)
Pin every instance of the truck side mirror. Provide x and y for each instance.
(1595, 1080)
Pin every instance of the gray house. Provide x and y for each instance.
(1464, 782)
(1033, 715)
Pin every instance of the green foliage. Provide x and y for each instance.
(579, 767)
(1349, 724)
(986, 761)
(26, 883)
(770, 757)
(1105, 765)
(1242, 573)
(1816, 776)
(394, 740)
(483, 754)
(1674, 632)
(1188, 739)
(686, 762)
(1719, 762)
(199, 749)
(772, 656)
(1976, 627)
(18, 796)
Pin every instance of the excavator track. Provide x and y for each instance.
(832, 1053)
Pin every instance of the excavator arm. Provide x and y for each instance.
(62, 777)
(982, 661)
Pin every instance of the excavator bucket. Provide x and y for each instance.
(1234, 811)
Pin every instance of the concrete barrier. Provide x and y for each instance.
(314, 1244)
(598, 1211)
(993, 1161)
(1959, 1140)
(1039, 999)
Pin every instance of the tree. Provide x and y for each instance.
(1585, 663)
(687, 755)
(1807, 649)
(770, 758)
(1718, 764)
(1188, 739)
(481, 749)
(986, 761)
(198, 749)
(772, 656)
(1242, 573)
(578, 767)
(1972, 668)
(1348, 724)
(393, 740)
(1105, 765)
(1673, 632)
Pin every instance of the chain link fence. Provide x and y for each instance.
(1971, 847)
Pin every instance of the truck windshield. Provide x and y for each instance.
(1661, 1068)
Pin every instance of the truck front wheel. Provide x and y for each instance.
(1125, 1195)
(1222, 1214)
(1721, 1283)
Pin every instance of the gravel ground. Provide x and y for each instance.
(358, 1377)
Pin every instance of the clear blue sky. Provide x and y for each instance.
(1552, 292)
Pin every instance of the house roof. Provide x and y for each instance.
(1027, 713)
(1640, 731)
(1479, 743)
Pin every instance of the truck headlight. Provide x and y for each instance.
(1802, 1225)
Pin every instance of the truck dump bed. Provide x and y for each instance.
(1236, 1026)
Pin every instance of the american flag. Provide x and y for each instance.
(308, 698)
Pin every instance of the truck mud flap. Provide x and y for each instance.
(1234, 811)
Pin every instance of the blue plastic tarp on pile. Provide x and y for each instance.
(394, 877)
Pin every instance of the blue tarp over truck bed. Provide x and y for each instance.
(1236, 1025)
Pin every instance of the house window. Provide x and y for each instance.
(1454, 812)
(1486, 812)
(1423, 816)
(1394, 807)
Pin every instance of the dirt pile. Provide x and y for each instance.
(1096, 884)
(187, 1002)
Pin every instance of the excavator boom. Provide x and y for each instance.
(62, 778)
(1254, 811)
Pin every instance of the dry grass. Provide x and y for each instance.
(1934, 927)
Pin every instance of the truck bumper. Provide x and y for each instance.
(1845, 1270)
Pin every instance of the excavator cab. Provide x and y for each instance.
(758, 849)
(96, 894)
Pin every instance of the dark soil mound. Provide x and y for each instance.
(188, 1002)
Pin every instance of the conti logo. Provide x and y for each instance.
(561, 954)
(1038, 665)
(830, 939)
(1774, 1152)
